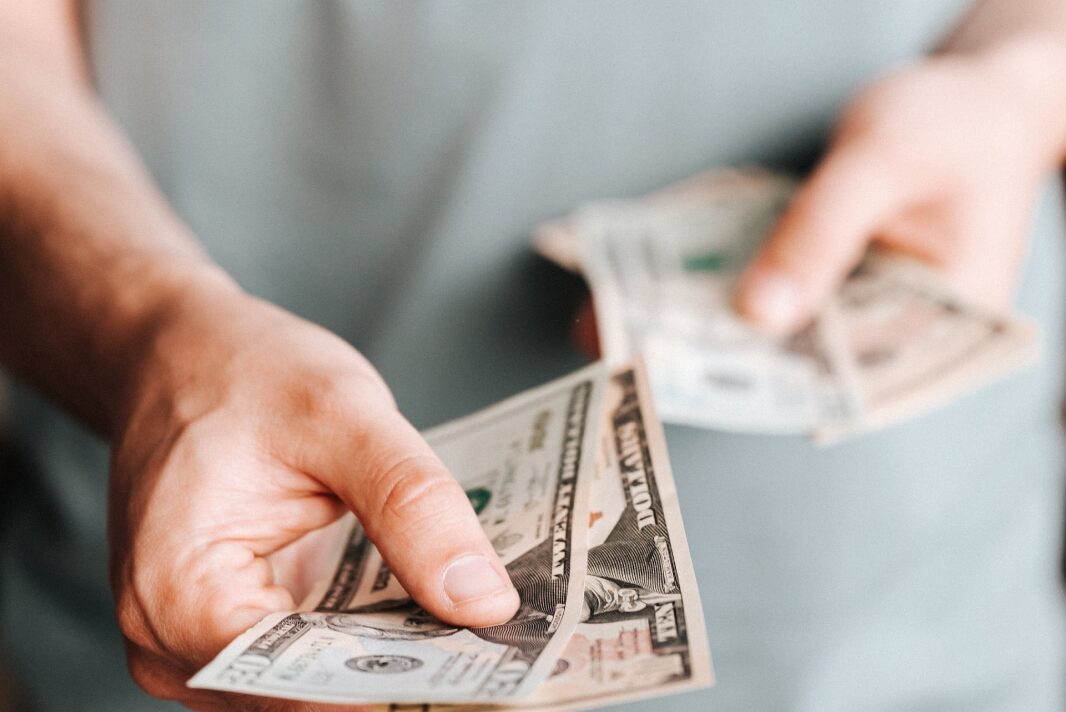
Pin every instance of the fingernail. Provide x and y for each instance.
(472, 577)
(773, 301)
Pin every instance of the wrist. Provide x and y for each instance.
(161, 325)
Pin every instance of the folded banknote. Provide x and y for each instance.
(572, 484)
(893, 342)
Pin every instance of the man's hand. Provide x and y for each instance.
(248, 431)
(942, 161)
(239, 431)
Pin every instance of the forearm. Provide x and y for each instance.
(1024, 42)
(91, 258)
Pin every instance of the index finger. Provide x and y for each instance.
(820, 237)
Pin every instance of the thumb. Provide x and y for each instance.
(820, 237)
(419, 518)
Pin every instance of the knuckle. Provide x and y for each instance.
(328, 397)
(880, 130)
(132, 623)
(862, 117)
(338, 398)
(877, 103)
(414, 490)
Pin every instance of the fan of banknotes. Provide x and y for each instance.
(571, 480)
(892, 343)
(572, 484)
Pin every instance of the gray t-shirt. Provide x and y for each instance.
(377, 166)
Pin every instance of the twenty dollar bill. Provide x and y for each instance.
(527, 465)
(641, 632)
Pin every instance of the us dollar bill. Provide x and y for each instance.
(642, 631)
(559, 240)
(663, 275)
(912, 343)
(528, 465)
(892, 343)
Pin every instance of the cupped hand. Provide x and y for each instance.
(942, 161)
(248, 431)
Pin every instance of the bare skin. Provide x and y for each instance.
(240, 430)
(942, 160)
